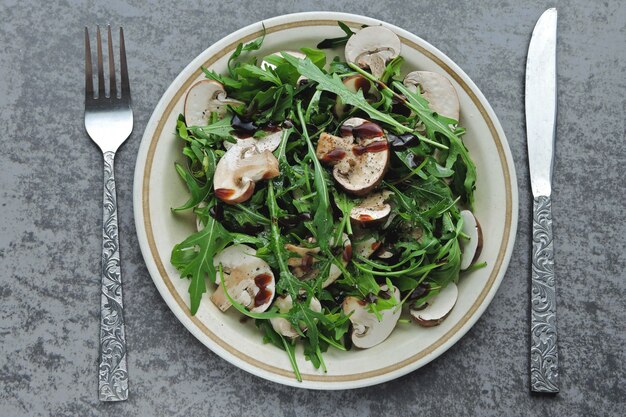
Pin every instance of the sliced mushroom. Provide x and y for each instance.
(437, 90)
(303, 265)
(238, 171)
(372, 210)
(385, 254)
(372, 47)
(283, 326)
(471, 248)
(437, 308)
(206, 97)
(358, 167)
(366, 247)
(367, 331)
(249, 280)
(355, 83)
(268, 142)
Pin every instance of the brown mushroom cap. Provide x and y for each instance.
(239, 169)
(372, 47)
(203, 98)
(437, 308)
(248, 279)
(372, 210)
(437, 90)
(359, 157)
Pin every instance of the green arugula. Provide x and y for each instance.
(435, 123)
(323, 219)
(431, 177)
(198, 192)
(339, 41)
(333, 84)
(193, 257)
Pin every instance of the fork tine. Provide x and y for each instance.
(112, 86)
(88, 69)
(101, 92)
(123, 68)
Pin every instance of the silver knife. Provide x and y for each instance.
(540, 127)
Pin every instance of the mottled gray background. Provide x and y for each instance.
(50, 192)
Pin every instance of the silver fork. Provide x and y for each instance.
(109, 122)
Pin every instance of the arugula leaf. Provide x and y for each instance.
(435, 123)
(216, 131)
(338, 66)
(252, 71)
(332, 83)
(316, 56)
(198, 192)
(193, 257)
(392, 70)
(339, 41)
(323, 218)
(223, 79)
(252, 46)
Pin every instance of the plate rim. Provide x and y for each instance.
(251, 365)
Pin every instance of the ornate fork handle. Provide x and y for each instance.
(112, 372)
(544, 360)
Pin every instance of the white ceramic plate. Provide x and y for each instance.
(158, 188)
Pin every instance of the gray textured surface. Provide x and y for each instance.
(50, 196)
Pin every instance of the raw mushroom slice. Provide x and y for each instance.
(437, 308)
(355, 83)
(360, 157)
(366, 247)
(302, 266)
(372, 47)
(238, 171)
(437, 90)
(268, 142)
(346, 255)
(206, 97)
(470, 249)
(249, 280)
(283, 326)
(372, 210)
(367, 331)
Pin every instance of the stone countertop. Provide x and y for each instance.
(50, 194)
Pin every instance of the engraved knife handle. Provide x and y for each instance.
(544, 360)
(112, 370)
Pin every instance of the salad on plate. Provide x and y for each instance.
(333, 193)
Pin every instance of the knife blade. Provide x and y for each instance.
(540, 103)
